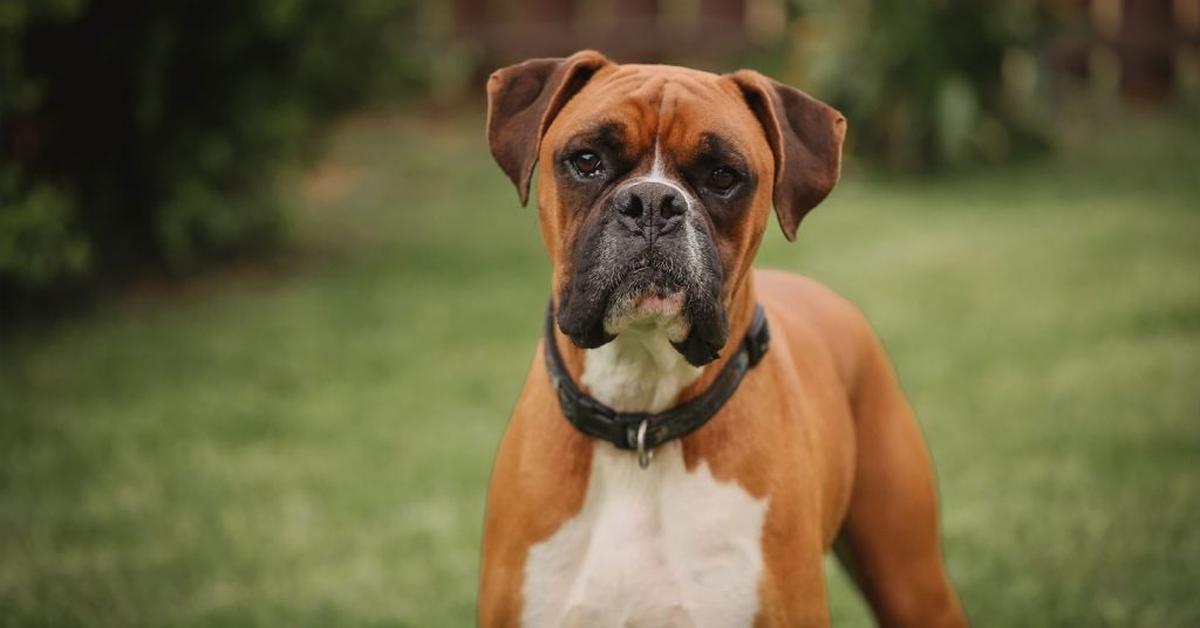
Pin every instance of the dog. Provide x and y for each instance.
(694, 434)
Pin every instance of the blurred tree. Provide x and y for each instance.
(147, 132)
(927, 84)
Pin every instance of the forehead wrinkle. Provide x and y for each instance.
(641, 88)
(632, 84)
(584, 127)
(726, 115)
(666, 106)
(708, 106)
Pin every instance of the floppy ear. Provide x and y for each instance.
(805, 135)
(523, 100)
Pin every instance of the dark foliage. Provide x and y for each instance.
(930, 84)
(146, 133)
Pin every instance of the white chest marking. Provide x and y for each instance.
(660, 546)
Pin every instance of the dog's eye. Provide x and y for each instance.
(722, 179)
(587, 164)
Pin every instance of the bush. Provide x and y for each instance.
(147, 133)
(928, 84)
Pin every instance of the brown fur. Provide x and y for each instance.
(820, 425)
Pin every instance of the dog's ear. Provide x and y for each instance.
(805, 135)
(523, 100)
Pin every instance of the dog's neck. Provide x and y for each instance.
(639, 370)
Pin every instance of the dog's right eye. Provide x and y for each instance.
(587, 164)
(722, 179)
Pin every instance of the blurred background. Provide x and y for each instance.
(266, 302)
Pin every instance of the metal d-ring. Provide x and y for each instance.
(644, 455)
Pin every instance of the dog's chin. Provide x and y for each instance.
(688, 313)
(698, 340)
(649, 310)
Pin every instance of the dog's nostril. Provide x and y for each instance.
(632, 207)
(670, 206)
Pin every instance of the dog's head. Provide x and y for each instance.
(656, 185)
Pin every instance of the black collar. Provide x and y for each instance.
(643, 431)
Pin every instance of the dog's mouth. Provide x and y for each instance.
(648, 300)
(652, 295)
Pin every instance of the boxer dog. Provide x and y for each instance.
(694, 434)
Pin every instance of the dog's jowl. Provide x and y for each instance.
(694, 435)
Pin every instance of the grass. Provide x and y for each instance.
(307, 443)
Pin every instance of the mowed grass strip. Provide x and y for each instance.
(308, 444)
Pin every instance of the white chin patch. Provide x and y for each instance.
(649, 310)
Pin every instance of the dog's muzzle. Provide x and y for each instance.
(640, 261)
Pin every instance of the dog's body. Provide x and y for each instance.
(728, 525)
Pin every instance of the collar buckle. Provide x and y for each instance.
(644, 455)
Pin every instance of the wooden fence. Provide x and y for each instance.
(627, 30)
(1147, 49)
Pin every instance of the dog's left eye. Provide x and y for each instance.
(722, 179)
(587, 164)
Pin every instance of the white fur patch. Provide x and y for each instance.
(692, 247)
(660, 546)
(658, 174)
(650, 547)
(639, 370)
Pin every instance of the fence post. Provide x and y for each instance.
(1147, 45)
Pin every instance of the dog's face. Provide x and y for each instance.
(656, 185)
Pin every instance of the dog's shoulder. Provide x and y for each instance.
(799, 298)
(809, 315)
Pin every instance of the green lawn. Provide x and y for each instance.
(306, 442)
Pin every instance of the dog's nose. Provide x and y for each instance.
(651, 204)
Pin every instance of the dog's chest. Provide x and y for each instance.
(661, 546)
(654, 547)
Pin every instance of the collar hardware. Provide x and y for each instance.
(644, 455)
(643, 431)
